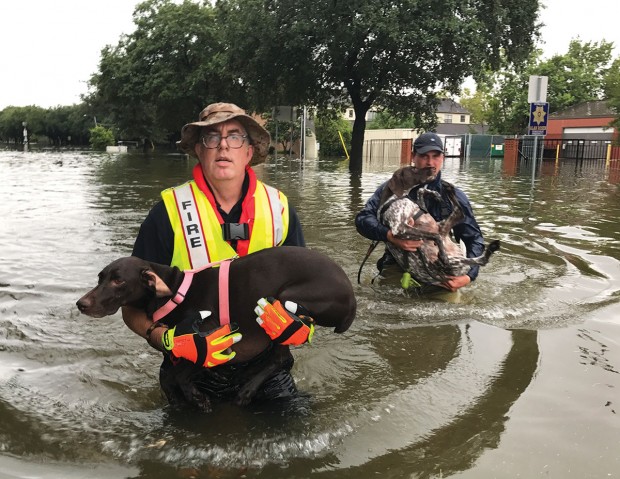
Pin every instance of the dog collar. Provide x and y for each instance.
(188, 277)
(178, 297)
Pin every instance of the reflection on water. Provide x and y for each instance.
(419, 387)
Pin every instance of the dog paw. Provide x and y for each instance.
(199, 400)
(244, 397)
(204, 406)
(195, 398)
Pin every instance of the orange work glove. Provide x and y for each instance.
(185, 340)
(288, 324)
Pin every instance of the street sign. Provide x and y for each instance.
(539, 112)
(537, 90)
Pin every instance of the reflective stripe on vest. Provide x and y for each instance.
(271, 220)
(198, 238)
(189, 222)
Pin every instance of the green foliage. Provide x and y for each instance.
(327, 125)
(164, 73)
(477, 103)
(11, 127)
(100, 137)
(287, 133)
(394, 54)
(61, 125)
(612, 90)
(67, 125)
(57, 124)
(12, 119)
(260, 53)
(574, 77)
(508, 106)
(385, 119)
(577, 76)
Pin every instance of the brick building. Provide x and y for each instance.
(586, 121)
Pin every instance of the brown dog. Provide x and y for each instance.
(304, 276)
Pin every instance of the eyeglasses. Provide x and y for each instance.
(213, 140)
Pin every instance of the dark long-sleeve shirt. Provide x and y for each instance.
(467, 231)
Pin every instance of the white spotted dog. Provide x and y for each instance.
(439, 256)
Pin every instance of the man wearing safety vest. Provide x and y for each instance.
(223, 212)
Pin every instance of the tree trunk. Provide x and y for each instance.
(147, 145)
(359, 127)
(357, 142)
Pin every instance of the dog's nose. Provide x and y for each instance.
(81, 305)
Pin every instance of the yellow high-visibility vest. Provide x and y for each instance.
(198, 237)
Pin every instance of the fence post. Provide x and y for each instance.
(405, 151)
(511, 154)
(511, 147)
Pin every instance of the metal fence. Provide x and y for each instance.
(576, 149)
(381, 154)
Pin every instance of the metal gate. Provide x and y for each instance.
(575, 149)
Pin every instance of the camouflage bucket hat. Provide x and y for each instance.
(219, 113)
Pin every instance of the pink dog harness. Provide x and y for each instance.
(187, 282)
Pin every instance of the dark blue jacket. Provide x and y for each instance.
(466, 231)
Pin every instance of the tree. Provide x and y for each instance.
(267, 48)
(385, 119)
(507, 102)
(67, 124)
(12, 120)
(11, 128)
(328, 125)
(287, 132)
(100, 137)
(577, 76)
(394, 54)
(61, 124)
(574, 77)
(164, 73)
(612, 90)
(477, 103)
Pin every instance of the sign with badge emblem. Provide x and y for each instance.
(539, 112)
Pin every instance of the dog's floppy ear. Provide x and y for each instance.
(149, 279)
(154, 283)
(403, 180)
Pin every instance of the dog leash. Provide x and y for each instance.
(223, 292)
(371, 248)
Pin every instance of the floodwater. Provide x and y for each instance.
(517, 375)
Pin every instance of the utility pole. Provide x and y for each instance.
(25, 124)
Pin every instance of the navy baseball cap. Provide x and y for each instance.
(427, 142)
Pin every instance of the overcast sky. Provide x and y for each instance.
(51, 47)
